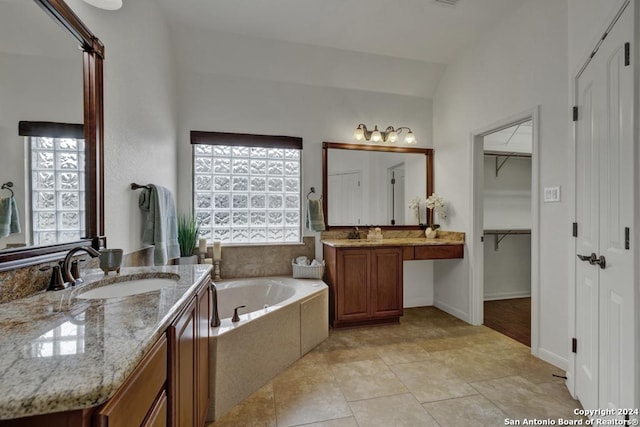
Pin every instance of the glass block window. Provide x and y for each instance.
(247, 194)
(57, 189)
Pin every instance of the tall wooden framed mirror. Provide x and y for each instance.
(42, 37)
(373, 185)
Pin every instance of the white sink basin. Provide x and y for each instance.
(130, 287)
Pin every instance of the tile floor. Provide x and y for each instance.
(431, 370)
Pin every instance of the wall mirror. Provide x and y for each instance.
(367, 185)
(51, 72)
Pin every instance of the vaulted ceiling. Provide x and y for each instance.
(390, 46)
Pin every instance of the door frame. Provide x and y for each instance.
(476, 262)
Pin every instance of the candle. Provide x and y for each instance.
(217, 249)
(203, 248)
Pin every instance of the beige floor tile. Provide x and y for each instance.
(351, 354)
(534, 369)
(308, 400)
(475, 411)
(558, 390)
(401, 353)
(258, 410)
(366, 379)
(401, 410)
(431, 380)
(340, 422)
(520, 398)
(470, 365)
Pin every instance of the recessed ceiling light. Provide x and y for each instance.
(105, 4)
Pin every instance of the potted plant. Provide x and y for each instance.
(187, 239)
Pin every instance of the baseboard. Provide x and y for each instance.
(452, 311)
(556, 360)
(507, 295)
(418, 302)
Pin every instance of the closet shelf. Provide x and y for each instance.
(500, 234)
(507, 156)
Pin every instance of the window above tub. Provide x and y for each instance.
(247, 188)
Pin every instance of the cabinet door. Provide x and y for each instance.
(386, 282)
(183, 390)
(202, 358)
(353, 285)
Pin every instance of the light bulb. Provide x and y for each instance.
(393, 136)
(376, 136)
(358, 134)
(410, 138)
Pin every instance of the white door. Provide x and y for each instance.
(345, 198)
(605, 324)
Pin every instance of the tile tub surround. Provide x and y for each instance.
(262, 260)
(100, 341)
(245, 355)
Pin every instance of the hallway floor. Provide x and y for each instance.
(431, 370)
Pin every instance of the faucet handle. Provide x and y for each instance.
(75, 270)
(235, 317)
(56, 283)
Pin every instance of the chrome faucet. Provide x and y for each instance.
(66, 264)
(215, 318)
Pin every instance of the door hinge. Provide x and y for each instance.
(481, 238)
(574, 345)
(575, 113)
(627, 237)
(575, 229)
(627, 54)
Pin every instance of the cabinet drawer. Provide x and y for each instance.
(438, 252)
(134, 400)
(158, 415)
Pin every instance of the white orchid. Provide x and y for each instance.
(436, 203)
(414, 205)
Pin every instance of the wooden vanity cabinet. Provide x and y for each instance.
(140, 396)
(189, 362)
(365, 285)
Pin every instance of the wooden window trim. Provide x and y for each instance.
(245, 140)
(51, 130)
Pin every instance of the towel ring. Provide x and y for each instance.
(313, 191)
(7, 186)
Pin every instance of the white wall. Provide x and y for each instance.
(214, 102)
(518, 65)
(140, 110)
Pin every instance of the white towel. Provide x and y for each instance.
(159, 223)
(9, 219)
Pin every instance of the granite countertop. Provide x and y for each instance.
(444, 238)
(59, 353)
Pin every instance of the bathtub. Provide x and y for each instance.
(284, 319)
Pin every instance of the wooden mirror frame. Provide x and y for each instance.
(428, 152)
(93, 56)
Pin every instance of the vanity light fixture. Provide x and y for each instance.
(390, 134)
(105, 4)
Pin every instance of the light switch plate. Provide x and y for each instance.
(551, 194)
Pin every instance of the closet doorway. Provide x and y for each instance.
(507, 231)
(504, 247)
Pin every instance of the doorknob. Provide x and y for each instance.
(589, 258)
(602, 262)
(594, 260)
